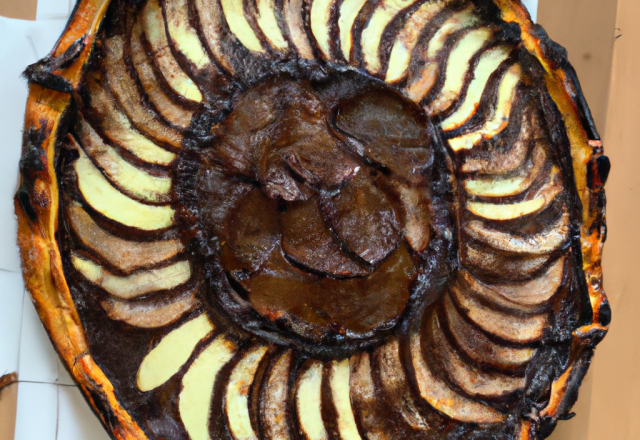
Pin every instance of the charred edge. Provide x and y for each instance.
(547, 425)
(32, 163)
(557, 131)
(43, 72)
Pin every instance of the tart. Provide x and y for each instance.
(314, 219)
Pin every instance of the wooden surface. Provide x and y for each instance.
(8, 405)
(23, 9)
(615, 395)
(586, 28)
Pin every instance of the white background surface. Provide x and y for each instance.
(50, 406)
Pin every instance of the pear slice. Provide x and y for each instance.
(116, 127)
(137, 284)
(420, 85)
(171, 111)
(440, 396)
(468, 377)
(269, 24)
(339, 381)
(394, 382)
(198, 384)
(126, 92)
(124, 254)
(236, 403)
(490, 264)
(319, 22)
(477, 345)
(457, 66)
(408, 37)
(364, 397)
(487, 65)
(184, 37)
(502, 212)
(239, 26)
(371, 37)
(274, 402)
(530, 296)
(154, 29)
(126, 177)
(309, 402)
(499, 186)
(501, 114)
(293, 15)
(104, 198)
(212, 22)
(515, 328)
(150, 313)
(553, 238)
(349, 10)
(172, 352)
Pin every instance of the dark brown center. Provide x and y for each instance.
(319, 199)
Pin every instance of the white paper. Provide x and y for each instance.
(11, 298)
(37, 417)
(38, 359)
(21, 43)
(75, 420)
(532, 6)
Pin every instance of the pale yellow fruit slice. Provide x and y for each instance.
(500, 119)
(117, 128)
(408, 37)
(457, 66)
(184, 36)
(173, 351)
(150, 313)
(293, 16)
(124, 254)
(340, 392)
(439, 395)
(212, 21)
(111, 203)
(372, 33)
(555, 236)
(121, 173)
(320, 15)
(546, 195)
(269, 25)
(349, 10)
(137, 284)
(197, 387)
(309, 402)
(489, 62)
(154, 28)
(236, 404)
(499, 186)
(238, 24)
(422, 83)
(274, 403)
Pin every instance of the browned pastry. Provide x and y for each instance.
(315, 219)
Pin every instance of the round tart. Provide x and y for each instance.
(327, 219)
